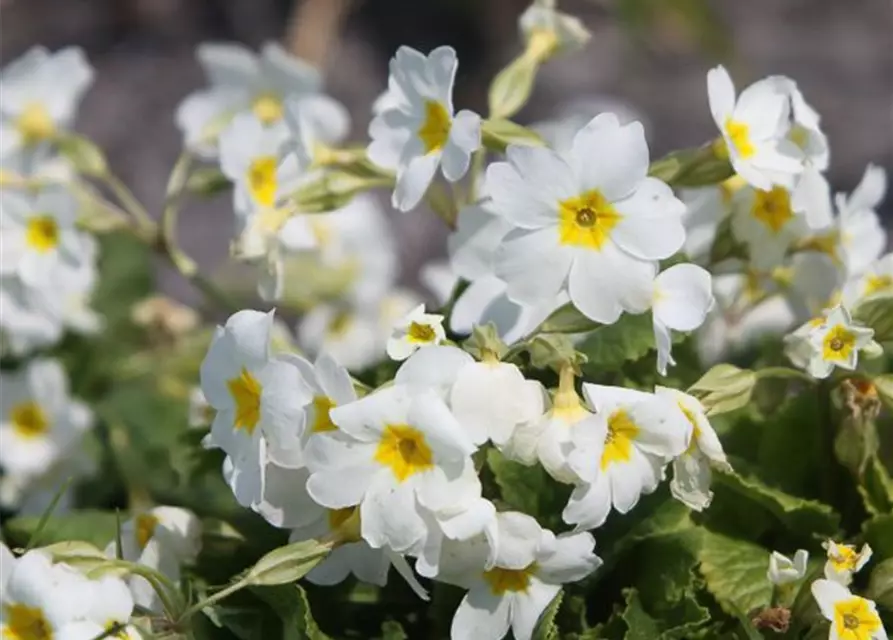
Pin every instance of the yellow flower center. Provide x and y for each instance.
(838, 344)
(855, 620)
(42, 233)
(404, 450)
(773, 208)
(144, 528)
(261, 179)
(25, 623)
(29, 420)
(436, 128)
(245, 391)
(268, 108)
(619, 441)
(875, 284)
(586, 220)
(322, 422)
(738, 134)
(421, 333)
(35, 124)
(541, 44)
(502, 580)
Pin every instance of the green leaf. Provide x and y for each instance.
(528, 489)
(735, 572)
(292, 606)
(567, 319)
(640, 626)
(802, 517)
(333, 190)
(724, 388)
(876, 487)
(877, 312)
(880, 586)
(610, 346)
(393, 630)
(545, 626)
(81, 555)
(685, 619)
(497, 134)
(87, 525)
(287, 564)
(879, 534)
(511, 87)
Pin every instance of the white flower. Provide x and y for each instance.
(43, 600)
(844, 560)
(706, 207)
(783, 570)
(836, 343)
(402, 451)
(489, 398)
(350, 335)
(259, 399)
(767, 224)
(242, 81)
(162, 538)
(422, 132)
(852, 617)
(39, 95)
(862, 237)
(683, 296)
(111, 608)
(40, 421)
(797, 346)
(39, 237)
(876, 278)
(315, 124)
(692, 469)
(622, 454)
(753, 128)
(438, 278)
(530, 566)
(548, 31)
(417, 329)
(592, 223)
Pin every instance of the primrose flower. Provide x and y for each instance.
(852, 617)
(766, 222)
(706, 207)
(40, 421)
(876, 278)
(417, 329)
(862, 237)
(403, 450)
(316, 123)
(39, 237)
(242, 82)
(548, 31)
(259, 399)
(591, 223)
(844, 560)
(753, 128)
(421, 132)
(349, 334)
(162, 538)
(39, 97)
(683, 296)
(623, 455)
(783, 570)
(836, 342)
(529, 567)
(692, 469)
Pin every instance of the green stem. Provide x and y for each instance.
(213, 599)
(129, 201)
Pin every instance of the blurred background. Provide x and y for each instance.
(651, 56)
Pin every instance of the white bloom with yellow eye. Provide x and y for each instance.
(783, 570)
(548, 31)
(242, 81)
(754, 128)
(852, 617)
(844, 560)
(683, 296)
(331, 387)
(527, 571)
(43, 601)
(259, 398)
(692, 469)
(592, 223)
(162, 538)
(862, 236)
(39, 97)
(315, 124)
(766, 222)
(836, 342)
(622, 455)
(422, 132)
(39, 238)
(415, 330)
(40, 421)
(403, 451)
(875, 279)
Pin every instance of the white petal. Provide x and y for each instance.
(527, 189)
(651, 226)
(389, 515)
(609, 157)
(721, 94)
(329, 489)
(465, 138)
(570, 559)
(518, 538)
(413, 181)
(605, 283)
(827, 593)
(481, 615)
(683, 297)
(691, 481)
(528, 606)
(812, 196)
(533, 265)
(435, 367)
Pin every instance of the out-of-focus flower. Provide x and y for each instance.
(548, 32)
(876, 278)
(164, 316)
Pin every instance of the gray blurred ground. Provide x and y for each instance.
(839, 51)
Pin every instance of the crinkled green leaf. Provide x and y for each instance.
(292, 606)
(545, 627)
(876, 312)
(609, 347)
(528, 489)
(879, 534)
(735, 572)
(876, 487)
(880, 586)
